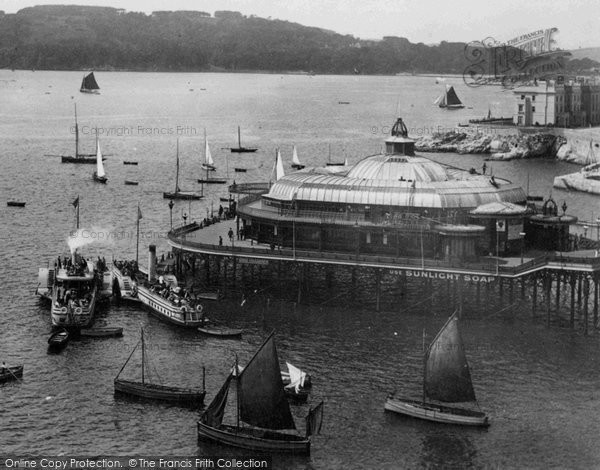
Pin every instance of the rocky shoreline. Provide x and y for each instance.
(580, 146)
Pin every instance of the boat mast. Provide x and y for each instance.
(76, 133)
(177, 170)
(424, 366)
(237, 390)
(78, 212)
(137, 239)
(239, 138)
(143, 358)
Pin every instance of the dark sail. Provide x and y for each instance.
(89, 82)
(261, 395)
(447, 375)
(451, 98)
(213, 416)
(314, 420)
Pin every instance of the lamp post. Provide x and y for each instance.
(171, 204)
(522, 235)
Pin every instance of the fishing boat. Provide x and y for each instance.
(209, 295)
(78, 157)
(11, 373)
(15, 204)
(89, 84)
(129, 163)
(58, 340)
(178, 193)
(296, 388)
(153, 391)
(295, 160)
(99, 174)
(261, 404)
(102, 332)
(446, 379)
(221, 332)
(295, 376)
(240, 170)
(449, 99)
(131, 183)
(239, 148)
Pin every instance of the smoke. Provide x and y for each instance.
(87, 236)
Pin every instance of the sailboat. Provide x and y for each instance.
(209, 165)
(446, 379)
(330, 163)
(79, 157)
(239, 148)
(153, 391)
(261, 403)
(89, 84)
(295, 160)
(178, 193)
(449, 99)
(99, 174)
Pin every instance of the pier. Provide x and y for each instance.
(560, 287)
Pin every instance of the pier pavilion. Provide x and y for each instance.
(393, 216)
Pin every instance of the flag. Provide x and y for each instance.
(139, 213)
(76, 203)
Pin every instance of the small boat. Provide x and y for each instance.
(79, 157)
(58, 340)
(330, 163)
(15, 204)
(449, 99)
(240, 170)
(262, 404)
(208, 164)
(239, 148)
(211, 181)
(446, 379)
(152, 391)
(11, 373)
(295, 376)
(131, 183)
(209, 295)
(129, 163)
(295, 160)
(99, 174)
(221, 332)
(89, 84)
(104, 332)
(178, 193)
(297, 384)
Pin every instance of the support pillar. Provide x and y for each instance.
(558, 287)
(595, 303)
(377, 288)
(548, 282)
(572, 318)
(534, 299)
(586, 296)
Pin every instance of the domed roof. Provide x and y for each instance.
(398, 168)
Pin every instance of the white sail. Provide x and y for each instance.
(207, 155)
(345, 161)
(99, 165)
(295, 159)
(278, 167)
(297, 377)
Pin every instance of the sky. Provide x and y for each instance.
(427, 21)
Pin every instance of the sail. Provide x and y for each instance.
(314, 420)
(447, 375)
(213, 416)
(451, 98)
(99, 165)
(279, 167)
(207, 155)
(295, 159)
(297, 377)
(89, 82)
(260, 391)
(441, 100)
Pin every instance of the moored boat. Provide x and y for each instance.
(130, 162)
(58, 340)
(240, 148)
(11, 373)
(446, 379)
(101, 332)
(131, 183)
(78, 157)
(153, 391)
(15, 204)
(295, 160)
(178, 193)
(221, 332)
(263, 406)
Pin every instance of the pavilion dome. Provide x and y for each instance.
(399, 168)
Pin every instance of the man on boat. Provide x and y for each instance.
(3, 368)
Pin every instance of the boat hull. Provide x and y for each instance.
(184, 396)
(88, 160)
(297, 167)
(15, 204)
(184, 196)
(166, 311)
(131, 183)
(100, 179)
(101, 332)
(129, 163)
(221, 332)
(436, 413)
(58, 341)
(11, 373)
(91, 92)
(80, 317)
(254, 439)
(212, 181)
(243, 150)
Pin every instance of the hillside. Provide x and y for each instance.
(59, 37)
(78, 37)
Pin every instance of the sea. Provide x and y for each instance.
(539, 384)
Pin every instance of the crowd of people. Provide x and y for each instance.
(178, 296)
(72, 298)
(78, 267)
(127, 267)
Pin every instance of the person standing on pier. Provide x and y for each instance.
(230, 234)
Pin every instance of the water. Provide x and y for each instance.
(539, 385)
